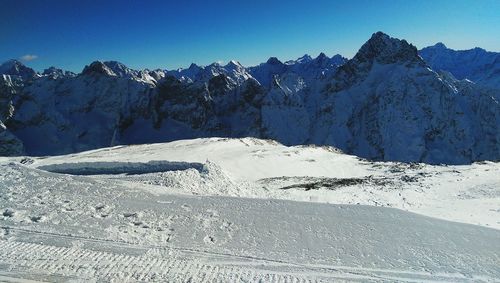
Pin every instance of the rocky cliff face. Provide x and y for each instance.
(385, 104)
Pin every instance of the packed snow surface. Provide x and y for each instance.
(211, 210)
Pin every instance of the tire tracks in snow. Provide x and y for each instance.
(127, 261)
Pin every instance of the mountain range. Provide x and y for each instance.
(389, 102)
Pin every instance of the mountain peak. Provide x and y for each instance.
(321, 56)
(273, 61)
(338, 59)
(385, 49)
(97, 67)
(12, 62)
(381, 49)
(53, 72)
(233, 64)
(193, 66)
(119, 68)
(440, 45)
(304, 59)
(14, 67)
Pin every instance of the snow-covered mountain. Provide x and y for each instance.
(478, 65)
(306, 67)
(198, 74)
(385, 104)
(17, 69)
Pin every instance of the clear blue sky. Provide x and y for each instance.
(171, 34)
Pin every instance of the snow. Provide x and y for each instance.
(245, 209)
(469, 193)
(190, 209)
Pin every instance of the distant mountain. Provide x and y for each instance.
(233, 70)
(306, 67)
(17, 69)
(384, 104)
(477, 65)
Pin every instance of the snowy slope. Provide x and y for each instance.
(128, 213)
(264, 169)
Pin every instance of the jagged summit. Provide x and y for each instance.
(304, 59)
(274, 61)
(56, 73)
(119, 68)
(97, 67)
(51, 70)
(193, 66)
(381, 49)
(16, 68)
(477, 64)
(233, 64)
(112, 68)
(439, 45)
(386, 50)
(321, 57)
(10, 63)
(338, 59)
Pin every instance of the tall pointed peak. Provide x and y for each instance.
(440, 45)
(16, 68)
(321, 56)
(233, 63)
(386, 49)
(305, 58)
(381, 49)
(116, 65)
(120, 69)
(97, 67)
(12, 62)
(274, 61)
(193, 66)
(52, 71)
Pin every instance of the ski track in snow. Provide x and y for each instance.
(162, 213)
(178, 265)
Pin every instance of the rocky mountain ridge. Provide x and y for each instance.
(386, 103)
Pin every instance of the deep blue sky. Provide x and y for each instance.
(172, 34)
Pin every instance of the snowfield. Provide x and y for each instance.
(216, 209)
